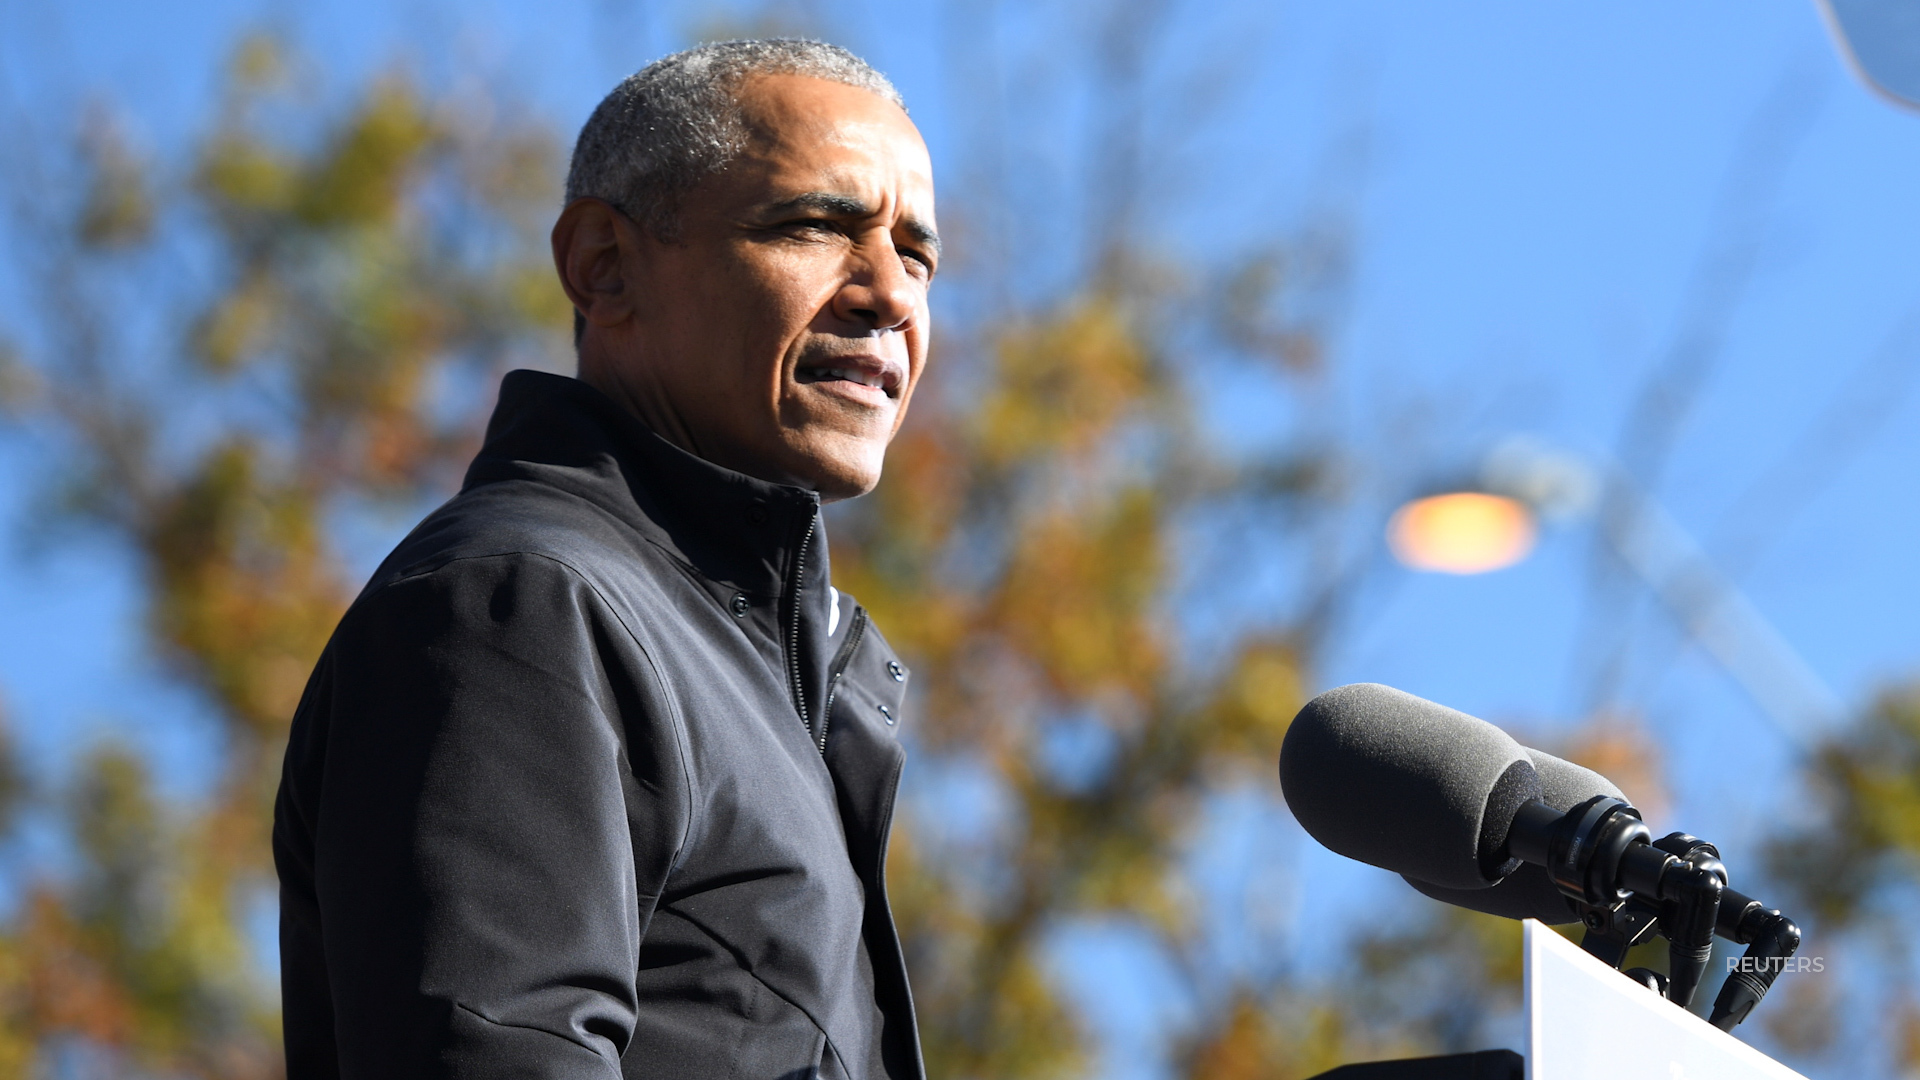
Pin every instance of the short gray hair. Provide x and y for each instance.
(676, 121)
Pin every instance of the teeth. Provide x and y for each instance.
(852, 375)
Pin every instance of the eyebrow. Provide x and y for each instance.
(846, 206)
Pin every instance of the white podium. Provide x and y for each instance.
(1586, 1021)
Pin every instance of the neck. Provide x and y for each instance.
(638, 396)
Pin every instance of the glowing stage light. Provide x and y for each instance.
(1462, 532)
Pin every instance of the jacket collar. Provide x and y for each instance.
(732, 528)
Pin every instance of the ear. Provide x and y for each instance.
(591, 243)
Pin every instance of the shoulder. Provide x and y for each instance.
(502, 640)
(494, 523)
(470, 598)
(505, 604)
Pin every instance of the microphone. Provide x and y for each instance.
(1398, 782)
(1469, 816)
(1529, 892)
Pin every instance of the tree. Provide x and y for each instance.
(339, 286)
(310, 281)
(1850, 867)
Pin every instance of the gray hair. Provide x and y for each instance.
(676, 121)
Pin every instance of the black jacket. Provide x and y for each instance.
(585, 786)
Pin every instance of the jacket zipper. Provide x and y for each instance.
(793, 628)
(840, 661)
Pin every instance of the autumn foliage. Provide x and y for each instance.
(322, 276)
(335, 288)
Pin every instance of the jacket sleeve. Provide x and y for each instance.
(501, 797)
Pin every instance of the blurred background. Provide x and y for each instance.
(1552, 362)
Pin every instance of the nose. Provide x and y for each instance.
(880, 294)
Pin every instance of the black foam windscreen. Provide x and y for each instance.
(1390, 779)
(1564, 785)
(1528, 893)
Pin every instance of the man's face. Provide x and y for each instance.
(782, 331)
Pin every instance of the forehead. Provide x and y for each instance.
(809, 132)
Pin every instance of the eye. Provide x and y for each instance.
(813, 226)
(920, 260)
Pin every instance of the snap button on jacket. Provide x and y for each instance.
(594, 779)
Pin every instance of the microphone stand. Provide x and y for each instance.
(1629, 886)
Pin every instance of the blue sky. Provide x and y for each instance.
(1539, 192)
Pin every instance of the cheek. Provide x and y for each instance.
(917, 346)
(782, 294)
(919, 343)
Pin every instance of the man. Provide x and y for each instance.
(595, 777)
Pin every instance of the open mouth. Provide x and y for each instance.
(868, 373)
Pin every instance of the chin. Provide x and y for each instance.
(841, 475)
(846, 486)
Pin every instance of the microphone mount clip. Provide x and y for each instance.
(1629, 886)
